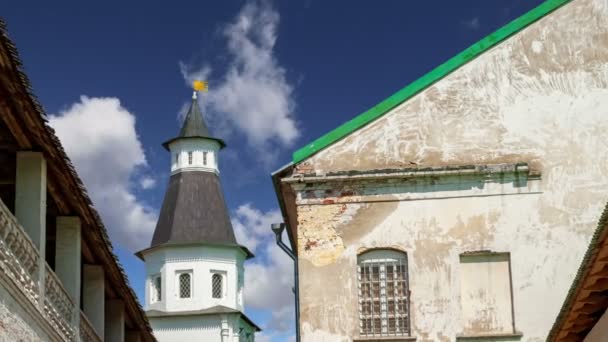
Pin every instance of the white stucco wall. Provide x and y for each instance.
(187, 329)
(202, 261)
(540, 98)
(179, 155)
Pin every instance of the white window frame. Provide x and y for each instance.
(178, 284)
(379, 261)
(156, 293)
(190, 157)
(205, 157)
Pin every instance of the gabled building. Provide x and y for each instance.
(194, 265)
(459, 208)
(59, 279)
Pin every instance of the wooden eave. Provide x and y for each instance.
(587, 299)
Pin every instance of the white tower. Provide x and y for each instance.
(194, 266)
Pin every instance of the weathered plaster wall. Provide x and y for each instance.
(15, 323)
(541, 98)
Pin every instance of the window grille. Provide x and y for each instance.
(189, 157)
(216, 286)
(205, 158)
(176, 158)
(156, 289)
(184, 285)
(384, 305)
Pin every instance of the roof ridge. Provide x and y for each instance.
(428, 79)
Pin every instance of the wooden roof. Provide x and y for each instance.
(587, 299)
(27, 121)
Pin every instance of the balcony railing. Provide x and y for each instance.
(58, 306)
(19, 257)
(20, 261)
(87, 332)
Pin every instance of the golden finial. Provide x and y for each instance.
(200, 85)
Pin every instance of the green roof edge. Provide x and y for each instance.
(430, 78)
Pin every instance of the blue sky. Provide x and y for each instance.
(113, 75)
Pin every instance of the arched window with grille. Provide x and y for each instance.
(185, 285)
(384, 308)
(217, 286)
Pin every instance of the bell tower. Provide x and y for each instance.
(194, 266)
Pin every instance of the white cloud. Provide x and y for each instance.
(254, 96)
(147, 182)
(99, 136)
(473, 23)
(268, 277)
(252, 227)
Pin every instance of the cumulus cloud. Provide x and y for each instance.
(272, 269)
(99, 136)
(253, 96)
(252, 226)
(147, 182)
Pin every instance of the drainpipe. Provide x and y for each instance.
(278, 229)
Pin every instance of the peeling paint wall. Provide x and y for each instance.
(541, 98)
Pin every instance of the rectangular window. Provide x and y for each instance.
(176, 158)
(189, 157)
(383, 294)
(155, 289)
(205, 158)
(217, 285)
(184, 284)
(485, 294)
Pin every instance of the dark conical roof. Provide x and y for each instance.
(194, 211)
(194, 126)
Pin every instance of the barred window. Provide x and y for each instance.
(205, 158)
(156, 288)
(185, 285)
(216, 285)
(176, 158)
(383, 293)
(189, 157)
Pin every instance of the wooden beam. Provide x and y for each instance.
(597, 285)
(592, 308)
(8, 115)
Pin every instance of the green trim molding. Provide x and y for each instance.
(427, 80)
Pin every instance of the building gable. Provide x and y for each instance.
(495, 62)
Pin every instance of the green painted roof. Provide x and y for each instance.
(427, 80)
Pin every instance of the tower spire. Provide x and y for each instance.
(194, 125)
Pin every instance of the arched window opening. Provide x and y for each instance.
(205, 158)
(217, 286)
(383, 293)
(185, 285)
(189, 157)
